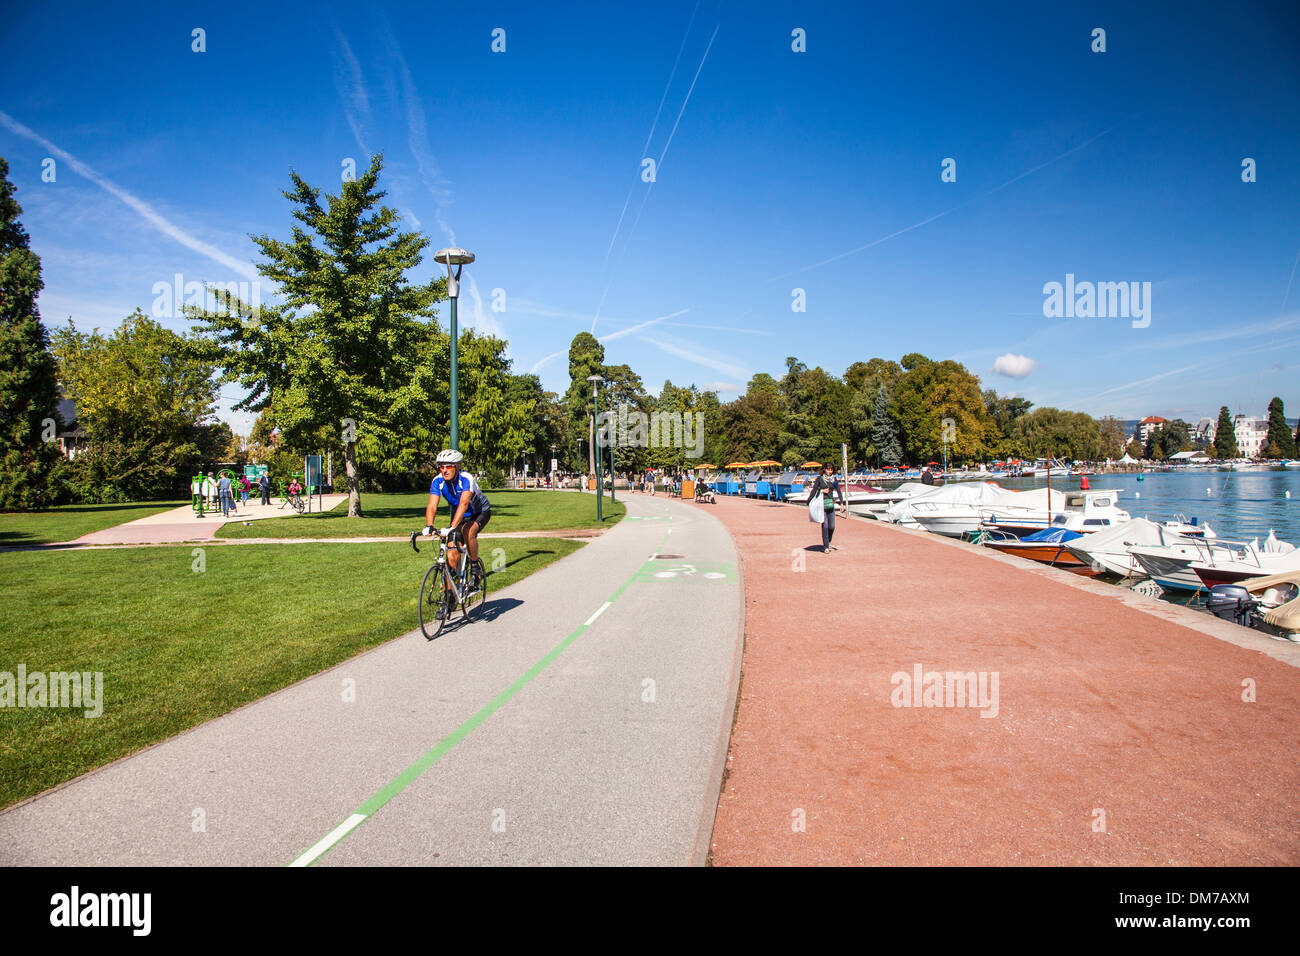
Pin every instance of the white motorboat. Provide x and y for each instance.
(1083, 511)
(940, 499)
(1108, 550)
(1171, 565)
(856, 492)
(873, 505)
(1025, 512)
(1272, 557)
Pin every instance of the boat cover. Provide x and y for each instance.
(1052, 535)
(967, 493)
(1137, 531)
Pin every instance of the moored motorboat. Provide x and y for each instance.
(1109, 550)
(1047, 547)
(1273, 557)
(874, 504)
(1270, 603)
(1171, 565)
(941, 500)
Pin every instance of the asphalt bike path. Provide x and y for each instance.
(583, 719)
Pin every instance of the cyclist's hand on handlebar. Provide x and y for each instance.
(428, 530)
(443, 532)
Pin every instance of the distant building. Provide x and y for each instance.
(1149, 425)
(72, 437)
(1252, 435)
(1205, 430)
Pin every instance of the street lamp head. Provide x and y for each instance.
(595, 379)
(453, 257)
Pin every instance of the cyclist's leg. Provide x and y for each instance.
(453, 553)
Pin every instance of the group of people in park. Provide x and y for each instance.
(210, 492)
(665, 479)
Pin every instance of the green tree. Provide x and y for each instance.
(934, 400)
(494, 430)
(622, 394)
(884, 433)
(345, 349)
(586, 358)
(1279, 432)
(146, 402)
(1051, 432)
(817, 415)
(1133, 449)
(752, 422)
(1225, 437)
(1112, 437)
(31, 468)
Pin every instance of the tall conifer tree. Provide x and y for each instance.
(29, 455)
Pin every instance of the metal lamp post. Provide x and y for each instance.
(457, 258)
(595, 381)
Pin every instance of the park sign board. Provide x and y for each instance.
(254, 472)
(312, 474)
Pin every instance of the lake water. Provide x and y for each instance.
(1239, 505)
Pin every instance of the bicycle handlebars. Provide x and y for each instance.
(451, 538)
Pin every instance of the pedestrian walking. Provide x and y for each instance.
(244, 487)
(264, 485)
(223, 489)
(821, 504)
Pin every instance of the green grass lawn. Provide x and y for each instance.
(68, 522)
(178, 647)
(402, 514)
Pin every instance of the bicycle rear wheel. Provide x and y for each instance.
(435, 603)
(472, 606)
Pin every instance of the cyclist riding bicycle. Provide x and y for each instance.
(470, 508)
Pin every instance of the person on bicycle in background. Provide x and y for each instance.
(470, 508)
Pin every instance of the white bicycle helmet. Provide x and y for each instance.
(449, 456)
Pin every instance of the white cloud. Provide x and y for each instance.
(1013, 366)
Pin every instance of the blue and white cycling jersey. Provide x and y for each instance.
(451, 492)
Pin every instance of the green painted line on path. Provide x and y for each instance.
(442, 747)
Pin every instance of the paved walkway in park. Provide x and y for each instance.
(583, 720)
(182, 524)
(1118, 733)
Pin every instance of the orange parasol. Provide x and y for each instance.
(811, 464)
(738, 464)
(767, 463)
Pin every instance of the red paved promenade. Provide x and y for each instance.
(1105, 716)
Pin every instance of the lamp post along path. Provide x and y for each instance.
(595, 381)
(457, 258)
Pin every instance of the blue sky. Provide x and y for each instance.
(777, 170)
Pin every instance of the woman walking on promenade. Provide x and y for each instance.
(826, 487)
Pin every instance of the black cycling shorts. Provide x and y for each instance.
(481, 519)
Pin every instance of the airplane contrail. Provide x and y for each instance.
(155, 219)
(653, 126)
(923, 222)
(658, 166)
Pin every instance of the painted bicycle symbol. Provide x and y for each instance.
(707, 572)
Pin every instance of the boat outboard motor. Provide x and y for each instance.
(1232, 602)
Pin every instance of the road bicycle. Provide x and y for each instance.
(445, 589)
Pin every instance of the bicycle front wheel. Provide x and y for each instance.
(435, 602)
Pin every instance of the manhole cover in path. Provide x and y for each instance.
(669, 557)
